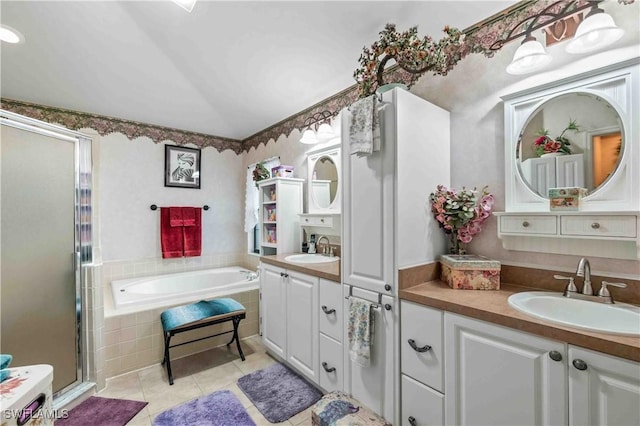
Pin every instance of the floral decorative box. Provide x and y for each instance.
(470, 272)
(282, 171)
(567, 199)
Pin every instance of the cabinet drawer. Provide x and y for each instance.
(528, 225)
(423, 326)
(331, 360)
(321, 221)
(331, 300)
(599, 226)
(422, 403)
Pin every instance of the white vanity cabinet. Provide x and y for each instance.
(289, 315)
(603, 390)
(499, 376)
(331, 371)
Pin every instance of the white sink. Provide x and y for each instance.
(310, 258)
(619, 318)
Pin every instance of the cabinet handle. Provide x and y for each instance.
(322, 220)
(327, 311)
(327, 368)
(412, 421)
(580, 364)
(595, 225)
(387, 287)
(525, 224)
(282, 274)
(306, 220)
(555, 355)
(415, 347)
(387, 306)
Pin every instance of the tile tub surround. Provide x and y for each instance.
(493, 307)
(133, 341)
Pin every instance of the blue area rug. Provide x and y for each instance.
(278, 392)
(220, 408)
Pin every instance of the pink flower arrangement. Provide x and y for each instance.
(461, 212)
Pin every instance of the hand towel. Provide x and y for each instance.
(175, 216)
(188, 216)
(364, 126)
(192, 235)
(171, 238)
(360, 331)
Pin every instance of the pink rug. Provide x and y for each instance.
(98, 411)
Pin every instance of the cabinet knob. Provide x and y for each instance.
(579, 364)
(525, 224)
(555, 355)
(595, 225)
(327, 368)
(327, 311)
(387, 287)
(306, 219)
(415, 347)
(322, 220)
(282, 274)
(387, 306)
(412, 421)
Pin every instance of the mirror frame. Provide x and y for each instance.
(334, 153)
(618, 85)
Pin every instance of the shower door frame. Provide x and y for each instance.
(83, 239)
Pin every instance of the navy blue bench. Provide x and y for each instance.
(197, 315)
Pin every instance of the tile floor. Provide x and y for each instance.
(196, 376)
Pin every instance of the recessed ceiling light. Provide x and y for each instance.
(186, 4)
(10, 35)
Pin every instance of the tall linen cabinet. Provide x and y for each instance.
(387, 225)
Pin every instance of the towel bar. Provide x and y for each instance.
(155, 207)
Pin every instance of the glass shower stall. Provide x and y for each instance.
(45, 233)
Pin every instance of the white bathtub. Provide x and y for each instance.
(184, 287)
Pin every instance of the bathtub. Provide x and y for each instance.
(184, 287)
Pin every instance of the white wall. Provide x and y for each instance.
(471, 92)
(131, 174)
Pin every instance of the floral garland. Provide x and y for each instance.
(411, 53)
(461, 213)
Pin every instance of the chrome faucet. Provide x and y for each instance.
(584, 270)
(325, 249)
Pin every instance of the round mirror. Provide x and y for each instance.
(324, 182)
(572, 140)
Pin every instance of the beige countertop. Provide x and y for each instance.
(329, 271)
(492, 306)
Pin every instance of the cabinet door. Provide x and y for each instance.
(421, 405)
(302, 324)
(274, 314)
(498, 376)
(603, 390)
(540, 173)
(570, 171)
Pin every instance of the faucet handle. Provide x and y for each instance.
(571, 286)
(604, 291)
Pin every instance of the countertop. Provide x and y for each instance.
(492, 306)
(329, 271)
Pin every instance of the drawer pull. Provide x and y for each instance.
(327, 311)
(282, 274)
(306, 219)
(322, 220)
(525, 224)
(425, 348)
(555, 355)
(579, 364)
(412, 421)
(387, 306)
(595, 225)
(327, 368)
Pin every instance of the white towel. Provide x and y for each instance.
(364, 126)
(360, 331)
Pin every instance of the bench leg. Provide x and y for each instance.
(236, 322)
(167, 358)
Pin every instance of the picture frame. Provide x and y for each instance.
(181, 167)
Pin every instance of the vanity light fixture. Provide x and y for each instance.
(9, 35)
(530, 56)
(323, 131)
(186, 4)
(596, 31)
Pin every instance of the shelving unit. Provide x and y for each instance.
(280, 205)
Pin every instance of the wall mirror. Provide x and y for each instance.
(323, 190)
(571, 140)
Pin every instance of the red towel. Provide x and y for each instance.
(175, 216)
(189, 216)
(193, 233)
(171, 238)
